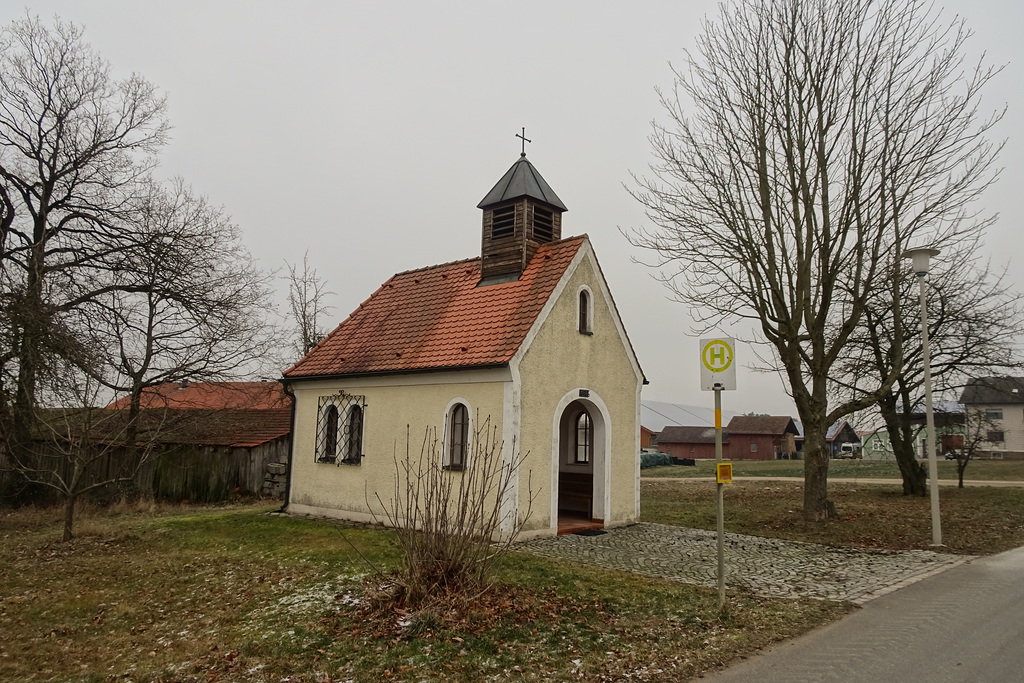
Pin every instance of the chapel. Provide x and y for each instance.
(523, 337)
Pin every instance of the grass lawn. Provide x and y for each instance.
(989, 470)
(977, 520)
(234, 593)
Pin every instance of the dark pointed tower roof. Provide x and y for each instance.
(522, 180)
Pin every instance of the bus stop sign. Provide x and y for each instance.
(717, 364)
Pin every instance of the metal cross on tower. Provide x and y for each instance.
(524, 139)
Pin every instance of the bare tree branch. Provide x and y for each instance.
(307, 294)
(807, 145)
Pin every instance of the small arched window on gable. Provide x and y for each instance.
(457, 451)
(584, 450)
(586, 312)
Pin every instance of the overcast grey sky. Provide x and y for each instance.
(367, 132)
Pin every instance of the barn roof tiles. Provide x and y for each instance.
(774, 425)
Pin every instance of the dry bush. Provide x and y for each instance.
(453, 525)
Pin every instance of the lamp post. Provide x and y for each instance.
(919, 259)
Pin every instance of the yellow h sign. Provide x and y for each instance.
(716, 364)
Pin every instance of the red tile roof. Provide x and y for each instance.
(234, 428)
(195, 426)
(437, 318)
(773, 425)
(213, 396)
(677, 434)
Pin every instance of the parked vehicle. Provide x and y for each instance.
(847, 451)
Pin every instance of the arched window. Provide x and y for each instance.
(458, 437)
(584, 449)
(339, 429)
(354, 435)
(585, 313)
(330, 434)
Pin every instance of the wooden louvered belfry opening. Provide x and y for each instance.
(513, 231)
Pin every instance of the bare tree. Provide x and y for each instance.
(77, 448)
(307, 295)
(190, 303)
(109, 280)
(74, 143)
(975, 320)
(977, 428)
(808, 143)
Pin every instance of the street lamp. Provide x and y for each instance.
(919, 260)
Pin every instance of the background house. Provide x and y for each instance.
(839, 432)
(949, 428)
(761, 437)
(696, 443)
(215, 439)
(200, 442)
(998, 404)
(657, 415)
(875, 444)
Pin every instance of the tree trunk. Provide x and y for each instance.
(69, 517)
(915, 475)
(901, 438)
(32, 319)
(817, 506)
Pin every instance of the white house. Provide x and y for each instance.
(1000, 400)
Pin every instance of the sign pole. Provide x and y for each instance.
(721, 497)
(718, 374)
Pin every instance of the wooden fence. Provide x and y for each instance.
(200, 474)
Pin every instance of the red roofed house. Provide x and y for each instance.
(526, 335)
(761, 437)
(696, 443)
(215, 437)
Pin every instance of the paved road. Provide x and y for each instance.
(848, 480)
(766, 566)
(959, 626)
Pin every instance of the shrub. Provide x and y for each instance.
(453, 525)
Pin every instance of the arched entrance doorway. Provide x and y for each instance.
(580, 465)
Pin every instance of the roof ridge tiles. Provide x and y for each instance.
(435, 267)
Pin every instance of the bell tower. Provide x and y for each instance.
(521, 212)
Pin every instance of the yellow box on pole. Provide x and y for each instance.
(723, 472)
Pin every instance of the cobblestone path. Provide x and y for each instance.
(766, 566)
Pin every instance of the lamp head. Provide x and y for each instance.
(919, 258)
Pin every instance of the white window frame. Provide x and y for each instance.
(446, 457)
(588, 448)
(589, 327)
(344, 438)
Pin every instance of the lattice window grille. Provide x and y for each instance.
(339, 433)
